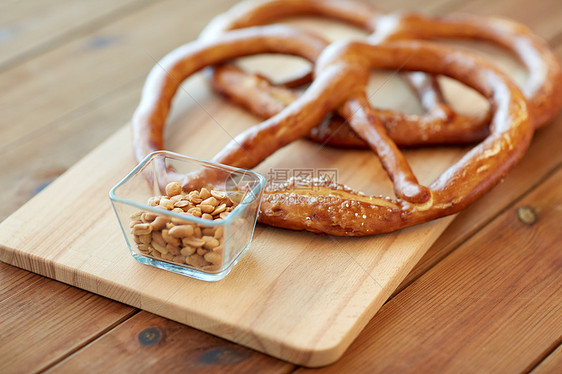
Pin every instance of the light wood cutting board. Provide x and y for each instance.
(295, 295)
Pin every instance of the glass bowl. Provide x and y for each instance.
(186, 215)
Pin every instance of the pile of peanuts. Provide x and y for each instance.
(181, 241)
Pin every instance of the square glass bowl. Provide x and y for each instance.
(160, 228)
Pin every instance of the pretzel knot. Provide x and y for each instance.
(341, 74)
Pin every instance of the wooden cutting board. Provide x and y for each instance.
(295, 295)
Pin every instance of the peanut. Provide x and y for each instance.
(195, 261)
(213, 258)
(187, 251)
(159, 223)
(219, 209)
(210, 242)
(204, 194)
(195, 211)
(205, 208)
(148, 217)
(179, 259)
(181, 231)
(210, 201)
(193, 242)
(142, 229)
(173, 189)
(166, 204)
(219, 195)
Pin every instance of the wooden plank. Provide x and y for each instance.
(148, 343)
(28, 28)
(493, 305)
(551, 364)
(81, 71)
(42, 157)
(43, 319)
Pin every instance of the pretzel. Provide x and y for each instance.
(441, 124)
(342, 72)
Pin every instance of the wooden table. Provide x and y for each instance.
(487, 297)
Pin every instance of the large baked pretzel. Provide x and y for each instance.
(440, 124)
(342, 72)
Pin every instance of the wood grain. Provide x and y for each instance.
(77, 126)
(147, 343)
(477, 310)
(551, 364)
(78, 64)
(31, 27)
(43, 319)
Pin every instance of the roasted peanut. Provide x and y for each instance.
(219, 232)
(142, 229)
(167, 256)
(187, 251)
(154, 201)
(159, 247)
(197, 233)
(219, 209)
(145, 239)
(137, 216)
(148, 217)
(208, 231)
(173, 189)
(182, 231)
(157, 238)
(195, 261)
(210, 201)
(201, 251)
(159, 223)
(213, 258)
(219, 195)
(181, 204)
(210, 242)
(193, 242)
(195, 211)
(173, 249)
(204, 194)
(170, 239)
(206, 208)
(166, 204)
